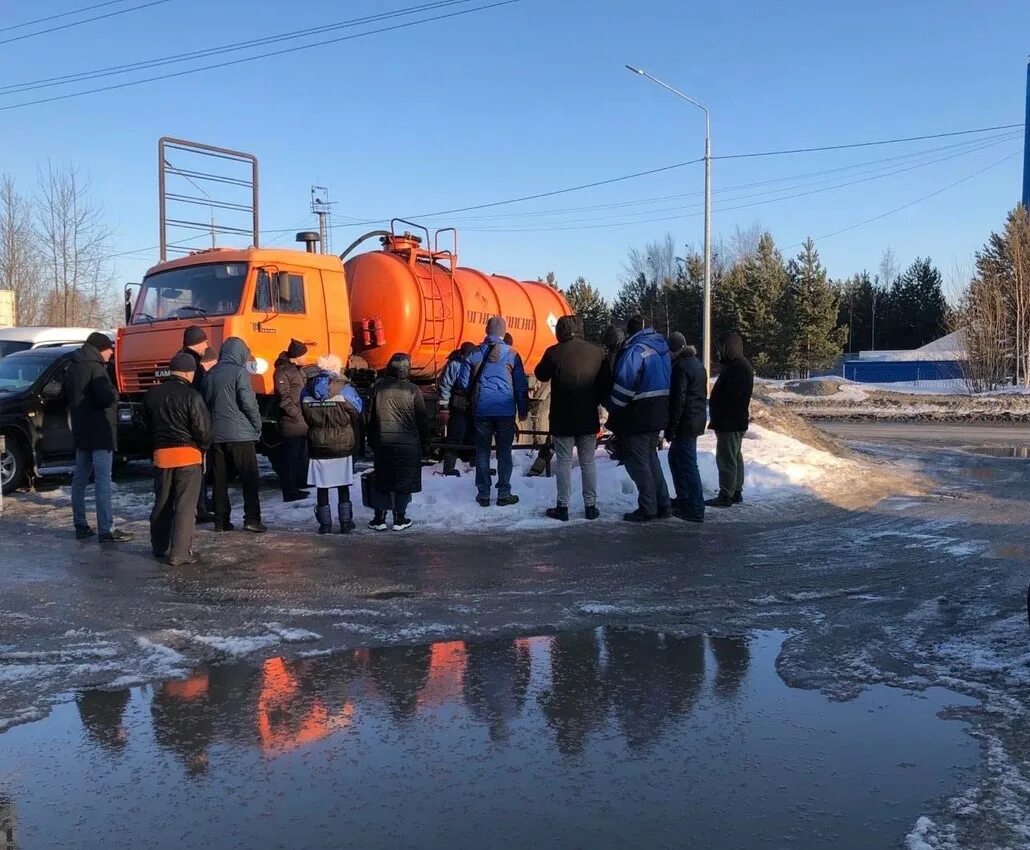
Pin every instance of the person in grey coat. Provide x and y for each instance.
(236, 428)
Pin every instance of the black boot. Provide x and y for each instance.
(378, 522)
(400, 521)
(723, 500)
(325, 519)
(560, 512)
(346, 517)
(738, 497)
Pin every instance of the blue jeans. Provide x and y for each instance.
(488, 429)
(686, 477)
(99, 461)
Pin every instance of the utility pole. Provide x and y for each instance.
(320, 206)
(706, 323)
(872, 346)
(1026, 143)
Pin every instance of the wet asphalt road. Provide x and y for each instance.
(914, 593)
(973, 434)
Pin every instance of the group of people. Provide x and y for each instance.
(205, 423)
(643, 385)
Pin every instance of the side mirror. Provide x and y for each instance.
(128, 302)
(282, 284)
(53, 389)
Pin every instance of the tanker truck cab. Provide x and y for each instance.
(264, 296)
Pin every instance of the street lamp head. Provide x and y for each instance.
(635, 70)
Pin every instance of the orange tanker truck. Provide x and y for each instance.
(406, 296)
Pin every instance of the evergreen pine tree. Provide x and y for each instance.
(764, 281)
(810, 336)
(637, 295)
(917, 310)
(591, 307)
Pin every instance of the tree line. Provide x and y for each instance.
(993, 314)
(793, 317)
(55, 251)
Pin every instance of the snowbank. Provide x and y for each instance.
(778, 469)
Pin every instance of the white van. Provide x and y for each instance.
(24, 338)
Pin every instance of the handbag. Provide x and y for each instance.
(368, 482)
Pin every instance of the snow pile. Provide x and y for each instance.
(778, 468)
(926, 836)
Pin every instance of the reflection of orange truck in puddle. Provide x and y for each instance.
(410, 296)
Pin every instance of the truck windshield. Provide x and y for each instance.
(213, 289)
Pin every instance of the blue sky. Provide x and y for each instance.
(533, 96)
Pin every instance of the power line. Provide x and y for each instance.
(112, 70)
(794, 178)
(965, 179)
(266, 55)
(680, 165)
(867, 144)
(60, 15)
(624, 177)
(525, 197)
(595, 224)
(85, 21)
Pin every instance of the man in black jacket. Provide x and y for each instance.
(687, 417)
(194, 344)
(93, 406)
(292, 455)
(180, 428)
(576, 370)
(729, 416)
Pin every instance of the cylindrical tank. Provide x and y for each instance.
(403, 298)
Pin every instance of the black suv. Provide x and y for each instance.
(33, 413)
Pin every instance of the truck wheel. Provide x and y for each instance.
(14, 464)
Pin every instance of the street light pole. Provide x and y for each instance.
(706, 322)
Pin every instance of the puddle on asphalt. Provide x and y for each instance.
(597, 739)
(1022, 451)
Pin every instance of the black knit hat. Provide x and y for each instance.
(101, 342)
(194, 335)
(296, 349)
(182, 362)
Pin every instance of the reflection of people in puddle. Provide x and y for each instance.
(399, 674)
(7, 823)
(101, 713)
(733, 657)
(183, 716)
(652, 678)
(496, 681)
(576, 702)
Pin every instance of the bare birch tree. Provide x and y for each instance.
(19, 259)
(983, 318)
(74, 244)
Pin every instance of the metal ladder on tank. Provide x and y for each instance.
(437, 308)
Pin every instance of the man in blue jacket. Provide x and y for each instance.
(495, 383)
(640, 395)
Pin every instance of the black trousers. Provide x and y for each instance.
(174, 518)
(322, 495)
(292, 464)
(459, 431)
(243, 458)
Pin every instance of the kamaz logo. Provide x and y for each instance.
(162, 373)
